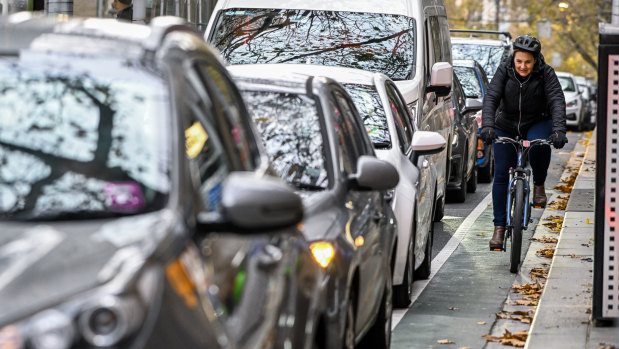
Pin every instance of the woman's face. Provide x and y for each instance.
(524, 63)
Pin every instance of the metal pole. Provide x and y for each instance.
(615, 18)
(99, 8)
(59, 7)
(497, 5)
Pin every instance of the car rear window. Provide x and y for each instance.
(381, 43)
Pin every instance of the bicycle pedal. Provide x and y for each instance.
(534, 206)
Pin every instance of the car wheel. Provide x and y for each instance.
(439, 207)
(485, 174)
(472, 184)
(424, 270)
(459, 195)
(402, 293)
(379, 335)
(349, 328)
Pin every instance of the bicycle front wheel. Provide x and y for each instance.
(517, 220)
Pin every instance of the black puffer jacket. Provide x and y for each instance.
(513, 107)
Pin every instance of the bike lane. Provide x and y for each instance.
(458, 305)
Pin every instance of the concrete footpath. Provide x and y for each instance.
(563, 315)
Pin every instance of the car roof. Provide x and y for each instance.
(28, 30)
(479, 41)
(466, 63)
(396, 7)
(302, 72)
(565, 74)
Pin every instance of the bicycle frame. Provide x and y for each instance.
(520, 174)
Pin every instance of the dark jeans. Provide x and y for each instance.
(505, 157)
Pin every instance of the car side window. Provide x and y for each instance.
(349, 150)
(445, 39)
(205, 151)
(401, 117)
(231, 113)
(397, 113)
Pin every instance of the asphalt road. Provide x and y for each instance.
(469, 284)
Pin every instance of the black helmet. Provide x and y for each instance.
(528, 43)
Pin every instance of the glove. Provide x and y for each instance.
(558, 139)
(488, 134)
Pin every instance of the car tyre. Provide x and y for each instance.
(459, 195)
(485, 174)
(439, 207)
(379, 335)
(472, 184)
(349, 327)
(402, 294)
(424, 270)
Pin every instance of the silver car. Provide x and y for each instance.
(314, 136)
(574, 101)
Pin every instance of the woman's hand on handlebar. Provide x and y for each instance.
(558, 139)
(488, 134)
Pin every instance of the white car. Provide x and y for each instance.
(407, 40)
(574, 102)
(397, 141)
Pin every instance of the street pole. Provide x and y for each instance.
(59, 7)
(615, 18)
(497, 5)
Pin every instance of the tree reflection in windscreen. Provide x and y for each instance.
(489, 57)
(290, 130)
(468, 80)
(375, 42)
(80, 140)
(371, 110)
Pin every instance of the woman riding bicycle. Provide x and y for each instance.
(524, 99)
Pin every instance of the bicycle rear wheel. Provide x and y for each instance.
(517, 220)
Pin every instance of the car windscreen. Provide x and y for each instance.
(371, 110)
(81, 139)
(567, 84)
(290, 128)
(489, 57)
(468, 80)
(375, 42)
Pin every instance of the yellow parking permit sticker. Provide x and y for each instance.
(195, 138)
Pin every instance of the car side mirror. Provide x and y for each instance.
(252, 204)
(441, 79)
(427, 143)
(374, 174)
(472, 104)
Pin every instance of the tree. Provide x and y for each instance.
(574, 27)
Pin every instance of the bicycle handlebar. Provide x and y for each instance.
(522, 142)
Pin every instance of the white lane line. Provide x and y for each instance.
(441, 258)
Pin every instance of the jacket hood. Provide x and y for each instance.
(42, 265)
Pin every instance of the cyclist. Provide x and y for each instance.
(524, 99)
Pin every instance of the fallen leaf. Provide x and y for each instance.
(453, 308)
(445, 341)
(548, 253)
(589, 222)
(481, 322)
(576, 256)
(526, 302)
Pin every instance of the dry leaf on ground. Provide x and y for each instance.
(548, 253)
(445, 341)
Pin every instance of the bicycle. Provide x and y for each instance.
(518, 204)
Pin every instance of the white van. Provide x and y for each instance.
(407, 40)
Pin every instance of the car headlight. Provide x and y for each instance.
(100, 318)
(323, 252)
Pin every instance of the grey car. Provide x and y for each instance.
(133, 195)
(317, 142)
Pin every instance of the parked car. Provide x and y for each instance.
(575, 104)
(474, 82)
(314, 136)
(397, 141)
(393, 40)
(488, 52)
(590, 102)
(463, 177)
(133, 193)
